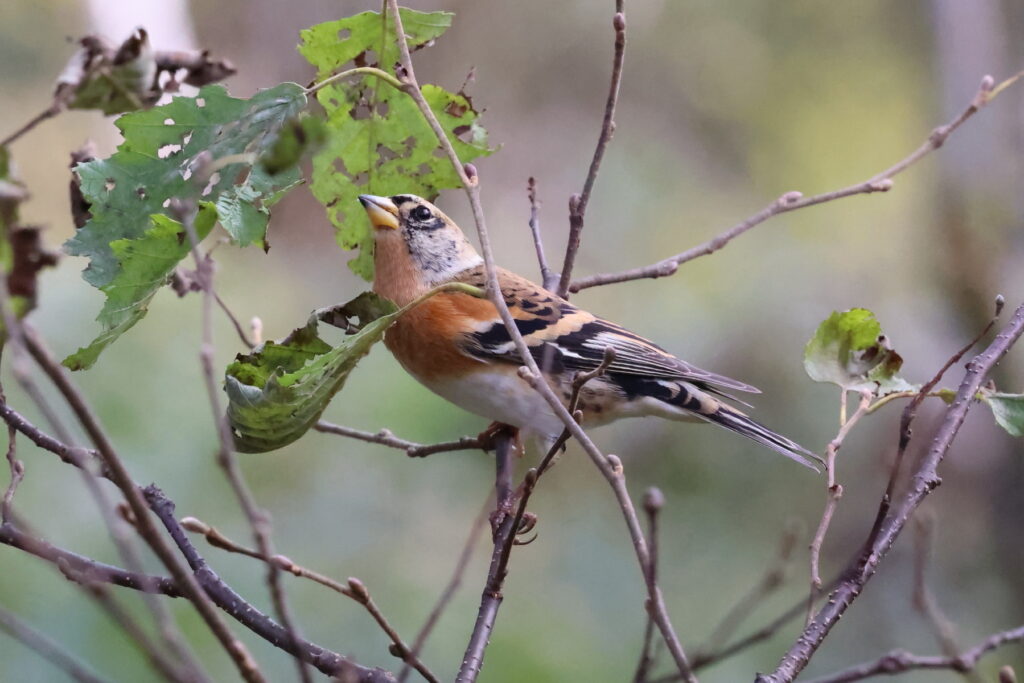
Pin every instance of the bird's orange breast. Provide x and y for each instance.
(426, 340)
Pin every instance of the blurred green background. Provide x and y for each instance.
(725, 106)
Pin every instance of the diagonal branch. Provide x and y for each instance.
(924, 480)
(900, 661)
(609, 467)
(47, 649)
(791, 201)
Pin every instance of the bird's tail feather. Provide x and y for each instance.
(735, 421)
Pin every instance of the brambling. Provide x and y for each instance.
(457, 346)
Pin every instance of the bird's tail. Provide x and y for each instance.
(735, 421)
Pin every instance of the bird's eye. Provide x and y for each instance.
(421, 213)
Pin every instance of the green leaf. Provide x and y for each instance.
(1008, 410)
(165, 152)
(146, 264)
(277, 392)
(380, 143)
(850, 350)
(297, 138)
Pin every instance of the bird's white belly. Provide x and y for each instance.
(503, 396)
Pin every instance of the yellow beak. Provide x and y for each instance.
(382, 211)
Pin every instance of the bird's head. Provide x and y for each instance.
(416, 246)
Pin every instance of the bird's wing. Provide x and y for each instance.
(561, 335)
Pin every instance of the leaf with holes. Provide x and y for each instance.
(146, 264)
(193, 148)
(380, 143)
(1008, 410)
(277, 392)
(850, 350)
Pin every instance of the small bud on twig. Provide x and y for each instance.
(654, 500)
(791, 198)
(1000, 302)
(883, 185)
(987, 83)
(1007, 675)
(619, 22)
(359, 590)
(574, 204)
(194, 525)
(616, 464)
(470, 170)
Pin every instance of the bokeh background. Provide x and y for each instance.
(725, 106)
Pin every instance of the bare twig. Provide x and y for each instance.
(610, 469)
(924, 599)
(115, 470)
(578, 202)
(324, 660)
(654, 500)
(909, 414)
(17, 468)
(490, 600)
(547, 278)
(924, 480)
(791, 201)
(769, 582)
(900, 661)
(45, 114)
(259, 520)
(385, 438)
(834, 492)
(239, 330)
(47, 649)
(453, 585)
(354, 589)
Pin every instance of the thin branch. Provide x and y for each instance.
(324, 660)
(258, 519)
(239, 330)
(385, 438)
(578, 202)
(116, 471)
(924, 600)
(354, 589)
(654, 501)
(47, 649)
(182, 665)
(491, 598)
(48, 113)
(85, 570)
(358, 71)
(770, 581)
(834, 492)
(547, 278)
(924, 480)
(453, 585)
(791, 201)
(610, 468)
(900, 661)
(17, 469)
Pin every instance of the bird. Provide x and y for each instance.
(457, 345)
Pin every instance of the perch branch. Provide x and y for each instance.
(453, 585)
(791, 201)
(385, 438)
(654, 501)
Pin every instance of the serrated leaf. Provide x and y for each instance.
(163, 149)
(1008, 410)
(277, 392)
(380, 143)
(146, 263)
(849, 349)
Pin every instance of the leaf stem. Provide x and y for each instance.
(358, 71)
